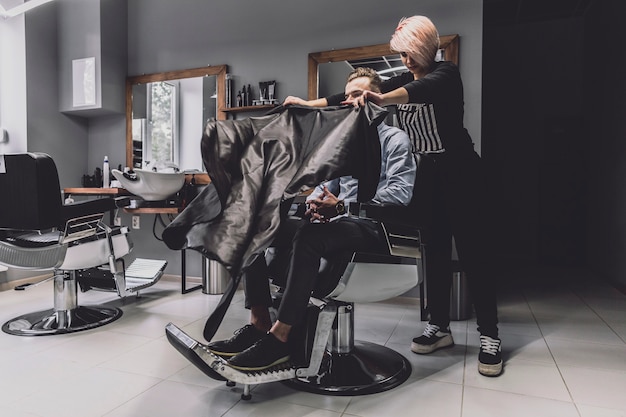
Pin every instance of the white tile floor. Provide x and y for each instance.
(564, 342)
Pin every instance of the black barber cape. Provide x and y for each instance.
(256, 163)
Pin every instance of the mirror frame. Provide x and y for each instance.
(449, 43)
(218, 70)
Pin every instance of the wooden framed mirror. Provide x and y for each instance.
(449, 45)
(209, 100)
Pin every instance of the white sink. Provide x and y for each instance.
(150, 185)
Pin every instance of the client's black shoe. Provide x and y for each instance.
(245, 337)
(267, 352)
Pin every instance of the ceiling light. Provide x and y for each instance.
(394, 69)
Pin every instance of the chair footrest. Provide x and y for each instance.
(281, 372)
(143, 273)
(217, 368)
(194, 351)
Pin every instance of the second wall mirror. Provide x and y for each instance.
(325, 79)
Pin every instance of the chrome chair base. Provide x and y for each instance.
(51, 322)
(367, 369)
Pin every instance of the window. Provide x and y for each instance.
(157, 132)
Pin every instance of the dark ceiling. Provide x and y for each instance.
(509, 12)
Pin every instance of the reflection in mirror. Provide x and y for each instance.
(165, 115)
(332, 75)
(155, 123)
(328, 70)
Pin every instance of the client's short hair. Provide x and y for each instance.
(375, 79)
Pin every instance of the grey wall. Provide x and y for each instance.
(79, 37)
(13, 85)
(76, 142)
(267, 40)
(271, 40)
(63, 137)
(93, 28)
(47, 130)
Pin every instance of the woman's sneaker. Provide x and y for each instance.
(245, 337)
(490, 356)
(432, 339)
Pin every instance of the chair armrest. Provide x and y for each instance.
(402, 216)
(86, 208)
(398, 224)
(122, 201)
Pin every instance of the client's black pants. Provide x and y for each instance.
(256, 278)
(309, 244)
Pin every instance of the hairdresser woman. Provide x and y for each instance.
(429, 100)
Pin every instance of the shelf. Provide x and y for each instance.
(202, 178)
(95, 191)
(248, 108)
(154, 210)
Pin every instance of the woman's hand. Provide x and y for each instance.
(295, 100)
(323, 208)
(320, 102)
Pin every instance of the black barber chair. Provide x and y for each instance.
(38, 232)
(331, 361)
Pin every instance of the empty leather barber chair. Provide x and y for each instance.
(331, 361)
(38, 232)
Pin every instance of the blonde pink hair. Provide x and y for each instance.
(418, 37)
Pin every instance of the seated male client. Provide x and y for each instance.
(327, 230)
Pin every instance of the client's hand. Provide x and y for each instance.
(322, 208)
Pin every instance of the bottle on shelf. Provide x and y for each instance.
(106, 183)
(244, 99)
(229, 92)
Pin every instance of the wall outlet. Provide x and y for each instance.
(135, 222)
(117, 221)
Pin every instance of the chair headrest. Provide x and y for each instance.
(30, 192)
